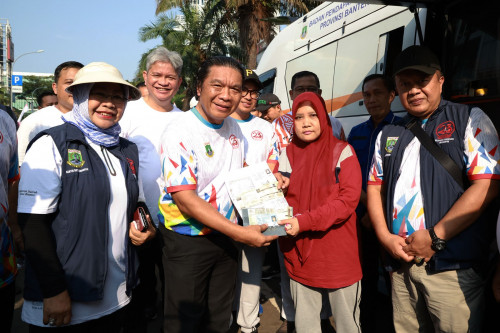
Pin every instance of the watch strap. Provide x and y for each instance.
(432, 233)
(438, 244)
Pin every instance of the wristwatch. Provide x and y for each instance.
(438, 244)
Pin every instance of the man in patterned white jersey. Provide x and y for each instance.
(260, 141)
(432, 223)
(197, 218)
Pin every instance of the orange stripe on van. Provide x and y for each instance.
(335, 104)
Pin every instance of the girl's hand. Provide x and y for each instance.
(292, 227)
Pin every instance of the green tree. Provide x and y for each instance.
(252, 18)
(35, 85)
(199, 35)
(4, 96)
(30, 83)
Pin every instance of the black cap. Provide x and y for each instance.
(417, 57)
(250, 75)
(267, 101)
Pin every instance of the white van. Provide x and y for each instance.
(345, 42)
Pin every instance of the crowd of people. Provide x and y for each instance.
(110, 191)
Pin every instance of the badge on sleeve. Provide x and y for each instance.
(75, 158)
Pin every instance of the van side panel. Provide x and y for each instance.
(342, 51)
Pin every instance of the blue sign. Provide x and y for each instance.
(17, 80)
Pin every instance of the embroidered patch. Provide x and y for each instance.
(257, 135)
(390, 143)
(75, 158)
(208, 149)
(234, 141)
(445, 130)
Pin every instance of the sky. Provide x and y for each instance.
(80, 30)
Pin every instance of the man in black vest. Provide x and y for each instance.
(434, 229)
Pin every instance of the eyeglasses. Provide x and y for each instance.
(301, 89)
(101, 97)
(253, 93)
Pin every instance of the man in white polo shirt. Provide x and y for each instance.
(143, 123)
(261, 146)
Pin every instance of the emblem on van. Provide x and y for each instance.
(304, 32)
(75, 158)
(390, 143)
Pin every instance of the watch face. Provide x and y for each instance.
(438, 245)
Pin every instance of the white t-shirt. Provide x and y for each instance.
(35, 123)
(39, 191)
(480, 155)
(261, 140)
(197, 155)
(144, 126)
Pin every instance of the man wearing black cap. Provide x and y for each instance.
(261, 146)
(435, 228)
(269, 106)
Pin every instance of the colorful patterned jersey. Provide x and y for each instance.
(481, 155)
(197, 155)
(283, 127)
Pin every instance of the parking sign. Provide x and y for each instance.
(17, 80)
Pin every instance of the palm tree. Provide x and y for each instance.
(252, 19)
(199, 35)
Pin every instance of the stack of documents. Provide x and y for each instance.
(255, 194)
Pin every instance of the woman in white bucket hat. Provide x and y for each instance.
(77, 196)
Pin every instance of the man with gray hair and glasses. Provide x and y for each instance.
(144, 124)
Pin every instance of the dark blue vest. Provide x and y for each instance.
(439, 190)
(80, 225)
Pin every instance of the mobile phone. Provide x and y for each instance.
(140, 219)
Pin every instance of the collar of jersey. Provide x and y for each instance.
(245, 120)
(204, 121)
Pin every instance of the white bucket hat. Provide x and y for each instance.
(103, 72)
